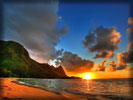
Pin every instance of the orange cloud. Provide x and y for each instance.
(129, 29)
(129, 69)
(116, 36)
(130, 20)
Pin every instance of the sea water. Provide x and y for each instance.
(114, 89)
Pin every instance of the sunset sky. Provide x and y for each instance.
(82, 37)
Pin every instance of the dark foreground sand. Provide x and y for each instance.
(10, 90)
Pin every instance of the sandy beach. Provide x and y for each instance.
(10, 90)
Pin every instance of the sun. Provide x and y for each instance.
(87, 76)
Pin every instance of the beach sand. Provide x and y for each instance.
(10, 90)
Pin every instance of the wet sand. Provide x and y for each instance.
(9, 90)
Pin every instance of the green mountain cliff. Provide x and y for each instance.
(16, 62)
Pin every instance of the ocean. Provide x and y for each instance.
(111, 89)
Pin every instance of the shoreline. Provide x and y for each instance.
(32, 86)
(11, 89)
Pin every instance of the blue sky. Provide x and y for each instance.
(81, 17)
(40, 29)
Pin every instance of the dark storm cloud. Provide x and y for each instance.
(74, 63)
(34, 26)
(103, 41)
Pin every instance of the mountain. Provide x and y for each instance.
(60, 71)
(16, 62)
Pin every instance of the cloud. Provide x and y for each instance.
(130, 34)
(129, 69)
(112, 66)
(34, 26)
(101, 67)
(104, 54)
(103, 41)
(126, 57)
(121, 66)
(74, 63)
(130, 20)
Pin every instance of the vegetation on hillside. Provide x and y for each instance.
(15, 62)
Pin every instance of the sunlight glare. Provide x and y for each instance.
(87, 76)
